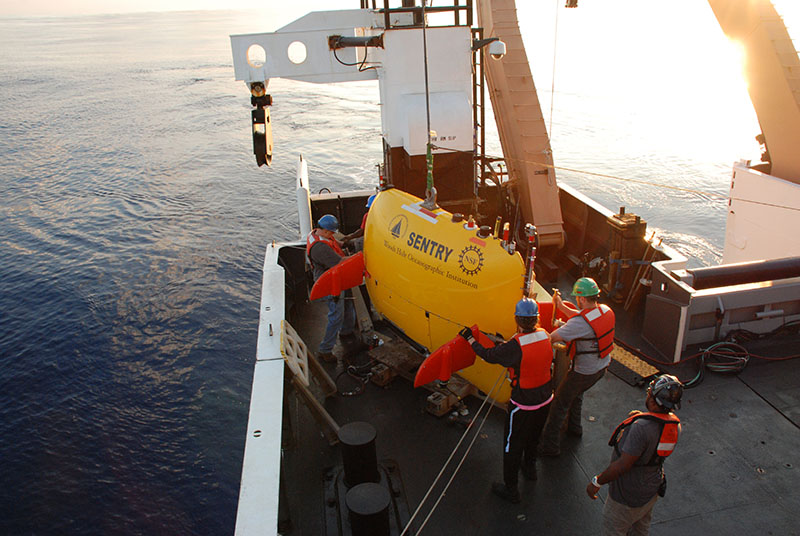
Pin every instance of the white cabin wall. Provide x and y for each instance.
(763, 219)
(403, 88)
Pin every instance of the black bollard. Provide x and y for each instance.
(368, 506)
(358, 453)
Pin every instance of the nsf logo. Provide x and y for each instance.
(471, 260)
(398, 226)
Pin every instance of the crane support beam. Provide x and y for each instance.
(772, 71)
(520, 124)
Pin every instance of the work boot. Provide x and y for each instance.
(500, 489)
(529, 471)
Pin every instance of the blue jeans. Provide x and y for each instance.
(341, 317)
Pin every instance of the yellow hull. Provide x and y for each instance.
(431, 276)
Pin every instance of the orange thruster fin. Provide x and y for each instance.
(451, 357)
(547, 316)
(347, 274)
(546, 310)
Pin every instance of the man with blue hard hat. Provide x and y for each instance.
(528, 356)
(357, 236)
(325, 252)
(589, 334)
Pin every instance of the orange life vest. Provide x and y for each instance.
(537, 355)
(601, 319)
(313, 238)
(666, 443)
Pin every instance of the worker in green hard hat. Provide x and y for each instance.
(589, 334)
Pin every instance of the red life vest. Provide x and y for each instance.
(601, 319)
(669, 434)
(313, 238)
(537, 355)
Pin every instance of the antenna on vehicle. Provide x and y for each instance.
(533, 243)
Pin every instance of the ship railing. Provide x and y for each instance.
(457, 9)
(688, 307)
(492, 169)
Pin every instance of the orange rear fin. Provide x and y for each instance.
(347, 274)
(452, 356)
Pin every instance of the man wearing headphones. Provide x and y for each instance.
(636, 475)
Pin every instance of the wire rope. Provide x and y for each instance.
(648, 183)
(452, 454)
(720, 197)
(553, 80)
(458, 467)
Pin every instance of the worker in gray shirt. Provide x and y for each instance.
(635, 475)
(589, 334)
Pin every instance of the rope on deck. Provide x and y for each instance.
(452, 454)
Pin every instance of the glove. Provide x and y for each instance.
(466, 333)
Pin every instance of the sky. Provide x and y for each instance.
(790, 9)
(25, 8)
(89, 7)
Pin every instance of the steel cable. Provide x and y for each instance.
(452, 454)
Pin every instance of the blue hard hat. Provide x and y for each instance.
(526, 307)
(370, 200)
(329, 222)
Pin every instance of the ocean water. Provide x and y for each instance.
(134, 221)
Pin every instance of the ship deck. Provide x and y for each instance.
(733, 471)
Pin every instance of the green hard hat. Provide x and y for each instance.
(586, 287)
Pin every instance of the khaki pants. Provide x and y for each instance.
(622, 520)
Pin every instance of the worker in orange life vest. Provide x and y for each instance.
(636, 475)
(528, 356)
(590, 337)
(324, 252)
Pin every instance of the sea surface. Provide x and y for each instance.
(133, 222)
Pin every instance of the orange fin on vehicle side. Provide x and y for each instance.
(347, 274)
(546, 317)
(451, 357)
